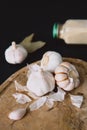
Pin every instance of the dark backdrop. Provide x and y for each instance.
(19, 19)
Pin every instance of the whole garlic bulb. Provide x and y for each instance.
(66, 76)
(40, 82)
(50, 60)
(15, 53)
(17, 114)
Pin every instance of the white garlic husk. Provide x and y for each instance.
(67, 76)
(15, 53)
(50, 60)
(76, 100)
(40, 82)
(17, 114)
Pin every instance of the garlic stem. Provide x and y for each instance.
(14, 45)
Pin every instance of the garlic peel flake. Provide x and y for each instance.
(17, 114)
(38, 103)
(21, 98)
(76, 100)
(58, 96)
(19, 87)
(50, 103)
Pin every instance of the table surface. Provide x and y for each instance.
(19, 20)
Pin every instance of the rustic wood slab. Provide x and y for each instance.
(64, 116)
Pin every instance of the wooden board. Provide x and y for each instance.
(64, 116)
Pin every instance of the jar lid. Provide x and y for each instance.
(55, 30)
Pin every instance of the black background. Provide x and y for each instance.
(18, 19)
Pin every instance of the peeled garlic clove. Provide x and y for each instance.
(76, 100)
(17, 114)
(40, 82)
(50, 61)
(15, 53)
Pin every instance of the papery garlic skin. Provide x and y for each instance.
(15, 53)
(76, 100)
(17, 114)
(50, 60)
(40, 82)
(67, 76)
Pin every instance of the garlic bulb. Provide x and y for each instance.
(15, 54)
(50, 61)
(66, 76)
(40, 82)
(17, 114)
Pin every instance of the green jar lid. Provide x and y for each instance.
(55, 30)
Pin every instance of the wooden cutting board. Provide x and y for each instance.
(64, 116)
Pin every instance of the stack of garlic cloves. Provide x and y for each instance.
(66, 76)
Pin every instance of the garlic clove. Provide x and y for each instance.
(71, 68)
(50, 60)
(17, 114)
(15, 53)
(76, 100)
(70, 86)
(38, 103)
(61, 69)
(77, 82)
(60, 77)
(63, 84)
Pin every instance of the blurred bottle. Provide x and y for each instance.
(72, 31)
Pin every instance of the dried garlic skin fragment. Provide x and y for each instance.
(76, 100)
(67, 76)
(38, 103)
(58, 96)
(50, 60)
(31, 46)
(15, 54)
(21, 98)
(17, 114)
(40, 82)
